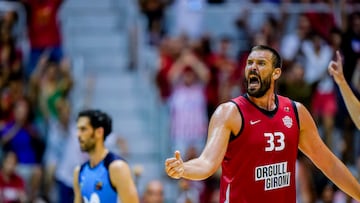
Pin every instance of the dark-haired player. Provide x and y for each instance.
(105, 177)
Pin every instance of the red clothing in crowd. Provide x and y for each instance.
(10, 189)
(43, 24)
(162, 75)
(321, 23)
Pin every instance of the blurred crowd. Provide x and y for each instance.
(35, 110)
(198, 70)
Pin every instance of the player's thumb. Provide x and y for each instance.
(177, 155)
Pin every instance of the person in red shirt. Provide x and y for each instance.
(43, 30)
(255, 138)
(12, 187)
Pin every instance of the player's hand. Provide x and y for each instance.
(174, 166)
(335, 69)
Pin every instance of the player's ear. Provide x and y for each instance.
(99, 131)
(276, 73)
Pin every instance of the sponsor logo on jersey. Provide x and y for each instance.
(98, 185)
(288, 122)
(274, 175)
(94, 198)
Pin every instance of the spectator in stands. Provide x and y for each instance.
(6, 107)
(224, 76)
(321, 22)
(317, 54)
(43, 15)
(10, 57)
(294, 86)
(17, 88)
(154, 192)
(59, 130)
(12, 186)
(9, 19)
(188, 194)
(291, 43)
(187, 102)
(169, 50)
(154, 12)
(49, 83)
(271, 30)
(21, 137)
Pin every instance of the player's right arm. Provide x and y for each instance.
(77, 193)
(226, 119)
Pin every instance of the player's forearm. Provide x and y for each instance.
(342, 178)
(351, 102)
(197, 169)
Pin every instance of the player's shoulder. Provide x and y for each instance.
(77, 169)
(228, 113)
(114, 161)
(118, 164)
(119, 169)
(227, 107)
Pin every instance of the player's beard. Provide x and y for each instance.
(264, 86)
(88, 145)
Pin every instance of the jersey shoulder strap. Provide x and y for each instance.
(109, 158)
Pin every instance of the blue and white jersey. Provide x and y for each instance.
(95, 184)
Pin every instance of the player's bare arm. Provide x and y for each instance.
(335, 69)
(121, 179)
(313, 147)
(226, 119)
(77, 193)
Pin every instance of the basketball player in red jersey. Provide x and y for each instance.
(255, 137)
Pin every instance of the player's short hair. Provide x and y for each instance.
(98, 119)
(277, 62)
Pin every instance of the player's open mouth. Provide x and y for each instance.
(254, 81)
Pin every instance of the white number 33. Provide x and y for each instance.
(276, 141)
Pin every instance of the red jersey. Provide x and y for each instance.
(259, 164)
(10, 189)
(43, 25)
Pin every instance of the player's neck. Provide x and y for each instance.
(266, 102)
(96, 156)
